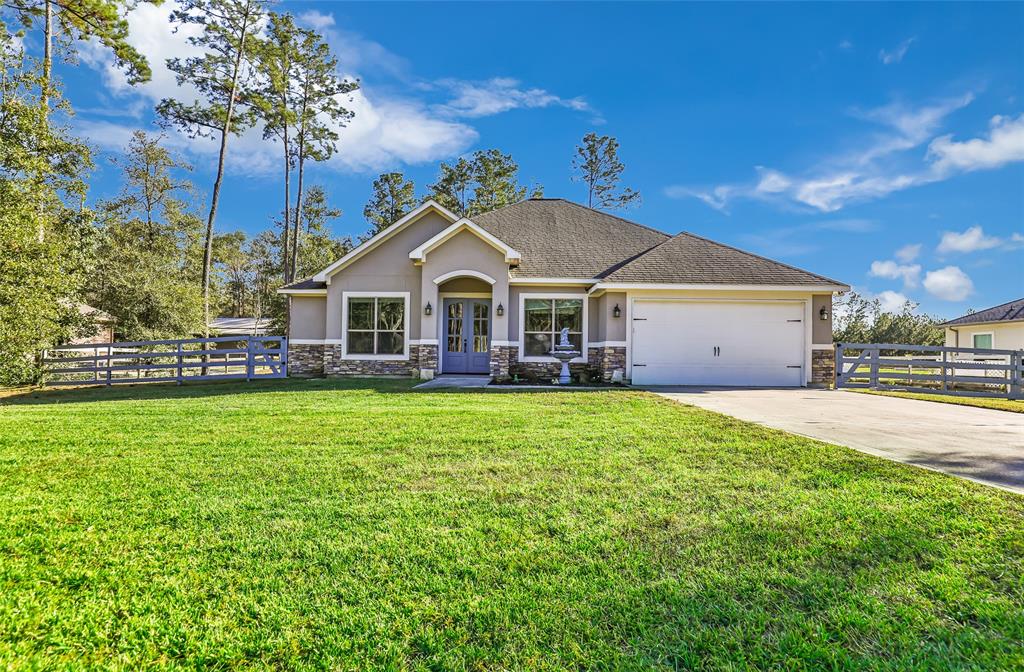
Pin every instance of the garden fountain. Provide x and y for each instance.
(563, 352)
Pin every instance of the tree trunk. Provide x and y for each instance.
(301, 167)
(44, 94)
(287, 208)
(225, 131)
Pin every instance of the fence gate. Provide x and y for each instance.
(217, 358)
(937, 369)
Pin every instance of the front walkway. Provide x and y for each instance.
(455, 381)
(975, 443)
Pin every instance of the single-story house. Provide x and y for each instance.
(436, 293)
(1000, 327)
(239, 326)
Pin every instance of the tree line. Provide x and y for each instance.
(152, 254)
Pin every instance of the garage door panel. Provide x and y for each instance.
(718, 343)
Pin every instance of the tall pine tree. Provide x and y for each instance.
(221, 75)
(597, 165)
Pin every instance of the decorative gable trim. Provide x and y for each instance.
(372, 243)
(419, 255)
(465, 273)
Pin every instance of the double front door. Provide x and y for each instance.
(466, 347)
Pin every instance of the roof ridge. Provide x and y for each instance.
(584, 207)
(758, 256)
(668, 236)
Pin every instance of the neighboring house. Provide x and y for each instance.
(1000, 327)
(104, 322)
(239, 326)
(435, 293)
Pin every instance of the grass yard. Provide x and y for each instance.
(1014, 406)
(355, 525)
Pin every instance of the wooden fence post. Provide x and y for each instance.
(1016, 374)
(110, 351)
(178, 376)
(874, 368)
(945, 371)
(248, 358)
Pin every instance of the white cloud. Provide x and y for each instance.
(1004, 144)
(971, 240)
(888, 57)
(497, 95)
(881, 165)
(387, 129)
(316, 20)
(894, 271)
(845, 45)
(908, 253)
(772, 181)
(891, 302)
(948, 284)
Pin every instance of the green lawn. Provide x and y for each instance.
(1014, 406)
(353, 525)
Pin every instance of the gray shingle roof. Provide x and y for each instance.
(560, 239)
(306, 283)
(689, 259)
(1007, 312)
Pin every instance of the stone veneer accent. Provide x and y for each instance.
(823, 367)
(604, 360)
(319, 360)
(305, 360)
(502, 357)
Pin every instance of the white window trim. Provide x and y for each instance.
(552, 295)
(344, 325)
(984, 333)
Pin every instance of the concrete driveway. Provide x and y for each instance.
(975, 443)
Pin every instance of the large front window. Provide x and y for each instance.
(376, 326)
(543, 321)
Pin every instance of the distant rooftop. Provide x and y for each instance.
(1007, 312)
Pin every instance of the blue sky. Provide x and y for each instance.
(882, 145)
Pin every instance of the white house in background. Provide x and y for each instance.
(1000, 327)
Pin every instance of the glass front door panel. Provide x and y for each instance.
(481, 327)
(455, 327)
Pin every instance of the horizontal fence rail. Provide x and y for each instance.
(937, 369)
(215, 358)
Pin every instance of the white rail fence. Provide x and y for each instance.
(216, 358)
(966, 372)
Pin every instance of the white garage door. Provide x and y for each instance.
(718, 343)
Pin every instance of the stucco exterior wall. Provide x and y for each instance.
(1008, 336)
(463, 251)
(386, 268)
(604, 325)
(308, 317)
(821, 333)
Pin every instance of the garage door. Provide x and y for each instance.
(718, 343)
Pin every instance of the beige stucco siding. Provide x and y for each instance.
(386, 268)
(1005, 336)
(822, 331)
(465, 251)
(308, 317)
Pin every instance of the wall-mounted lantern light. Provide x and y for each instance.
(823, 313)
(616, 311)
(500, 310)
(429, 309)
